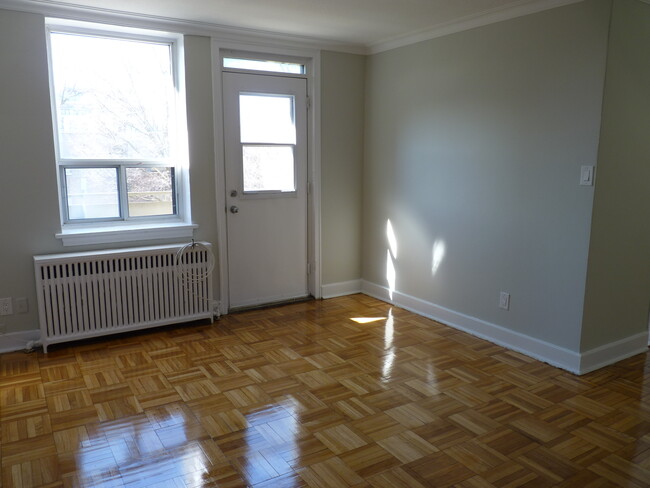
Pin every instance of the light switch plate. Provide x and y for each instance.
(587, 175)
(504, 300)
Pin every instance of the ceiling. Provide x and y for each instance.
(364, 23)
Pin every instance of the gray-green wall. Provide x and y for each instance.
(474, 143)
(342, 99)
(28, 191)
(618, 280)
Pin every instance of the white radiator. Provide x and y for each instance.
(89, 294)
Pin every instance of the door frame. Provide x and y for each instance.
(311, 58)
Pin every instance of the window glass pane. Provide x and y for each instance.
(113, 97)
(263, 65)
(267, 119)
(150, 191)
(268, 168)
(91, 193)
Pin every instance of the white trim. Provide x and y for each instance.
(314, 176)
(312, 58)
(575, 362)
(341, 288)
(241, 34)
(227, 33)
(535, 348)
(492, 16)
(141, 232)
(17, 341)
(614, 352)
(220, 176)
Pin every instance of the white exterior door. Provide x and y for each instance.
(265, 136)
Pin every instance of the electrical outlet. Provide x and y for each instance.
(5, 306)
(22, 305)
(504, 300)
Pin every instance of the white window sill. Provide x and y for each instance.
(80, 236)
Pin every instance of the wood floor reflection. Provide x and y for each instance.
(336, 393)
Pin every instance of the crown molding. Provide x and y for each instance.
(54, 8)
(511, 11)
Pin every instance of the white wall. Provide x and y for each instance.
(28, 192)
(474, 142)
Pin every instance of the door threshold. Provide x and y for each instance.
(290, 301)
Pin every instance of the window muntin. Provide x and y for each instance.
(115, 109)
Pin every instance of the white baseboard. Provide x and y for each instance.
(16, 341)
(340, 289)
(578, 363)
(575, 362)
(614, 352)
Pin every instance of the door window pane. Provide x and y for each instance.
(267, 119)
(92, 193)
(150, 191)
(264, 65)
(268, 168)
(113, 97)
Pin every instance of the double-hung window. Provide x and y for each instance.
(117, 104)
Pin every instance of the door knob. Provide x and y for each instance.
(234, 209)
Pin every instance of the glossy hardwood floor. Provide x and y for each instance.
(335, 393)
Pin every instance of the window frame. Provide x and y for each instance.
(178, 158)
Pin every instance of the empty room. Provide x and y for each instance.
(450, 285)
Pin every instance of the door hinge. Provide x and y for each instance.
(308, 269)
(308, 103)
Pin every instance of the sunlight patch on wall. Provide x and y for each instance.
(437, 255)
(392, 239)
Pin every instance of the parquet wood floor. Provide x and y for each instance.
(305, 396)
